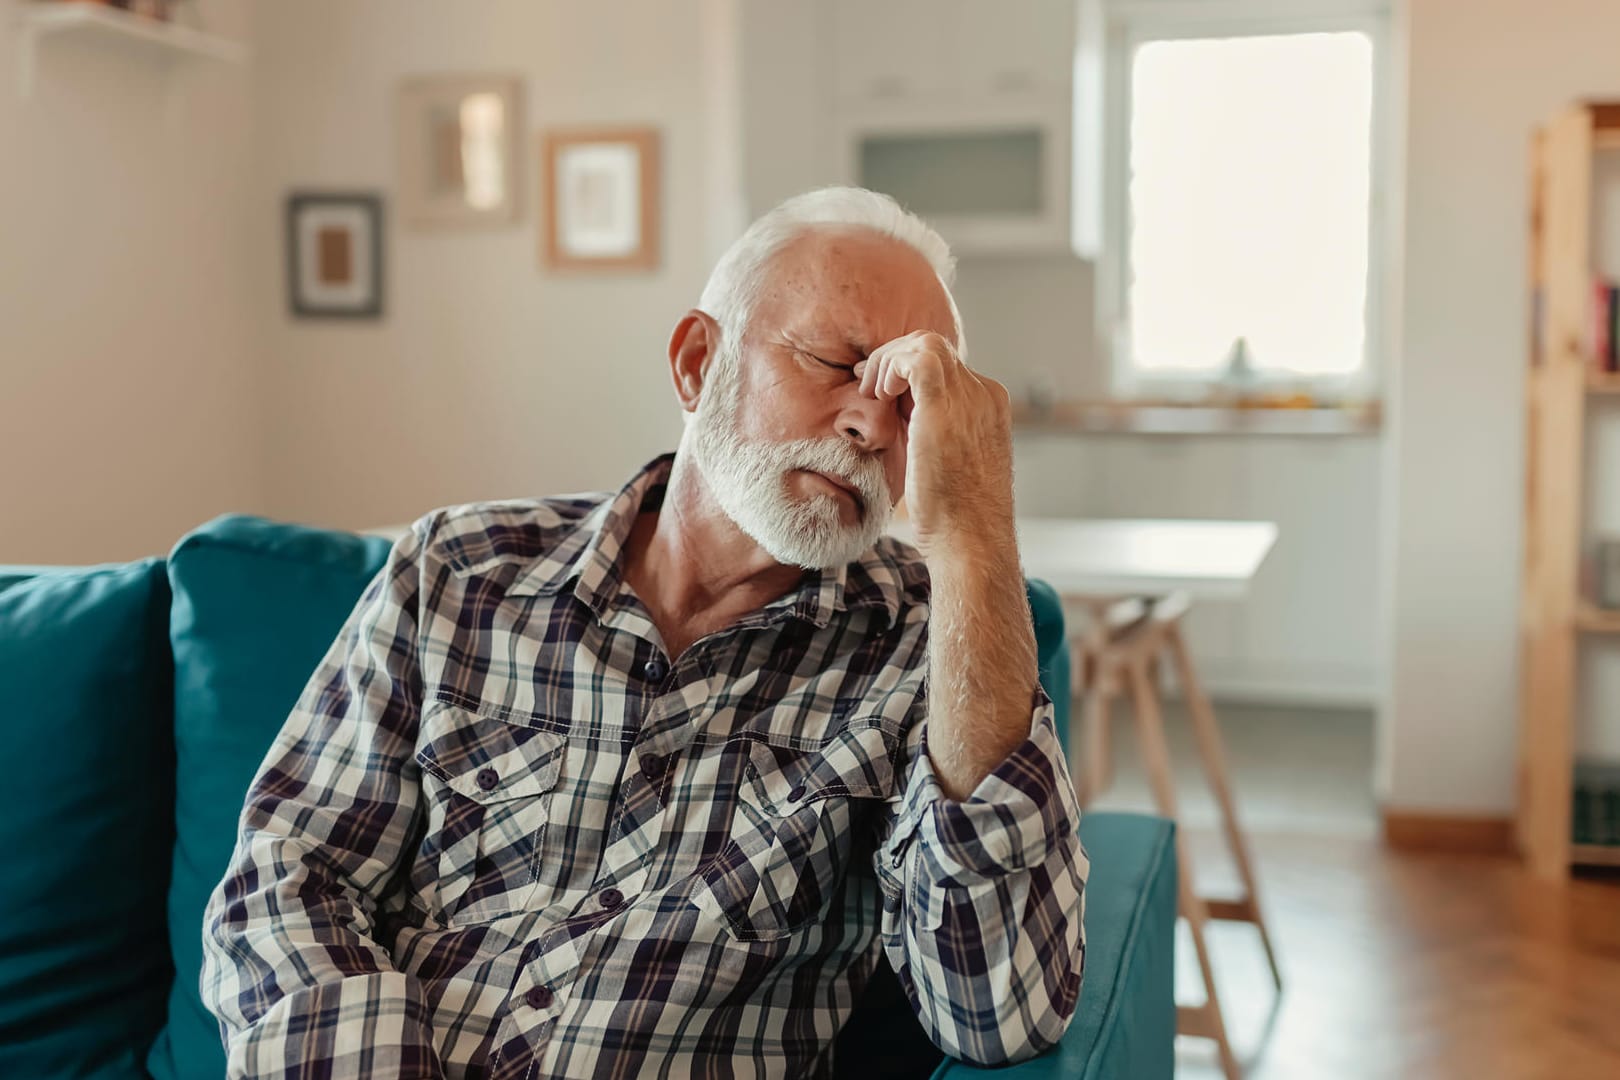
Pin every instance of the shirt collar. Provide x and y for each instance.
(589, 554)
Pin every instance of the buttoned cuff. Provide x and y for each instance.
(1009, 823)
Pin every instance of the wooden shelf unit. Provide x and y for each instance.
(1561, 385)
(1590, 619)
(160, 41)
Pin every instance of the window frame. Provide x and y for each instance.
(1129, 24)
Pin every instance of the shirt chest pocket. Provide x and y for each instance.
(488, 786)
(794, 825)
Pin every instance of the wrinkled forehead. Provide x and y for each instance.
(856, 286)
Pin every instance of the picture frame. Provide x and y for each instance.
(335, 254)
(458, 142)
(601, 199)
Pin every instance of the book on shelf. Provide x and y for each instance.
(1605, 326)
(1596, 808)
(1611, 337)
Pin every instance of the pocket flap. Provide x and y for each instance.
(489, 760)
(856, 763)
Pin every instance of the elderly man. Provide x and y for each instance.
(641, 783)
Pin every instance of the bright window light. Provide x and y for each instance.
(1249, 204)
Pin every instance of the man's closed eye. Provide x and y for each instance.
(847, 368)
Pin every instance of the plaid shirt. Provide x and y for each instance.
(502, 835)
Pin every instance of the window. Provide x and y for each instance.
(1243, 193)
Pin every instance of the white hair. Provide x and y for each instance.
(735, 284)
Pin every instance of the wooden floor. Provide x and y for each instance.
(1429, 967)
(1396, 967)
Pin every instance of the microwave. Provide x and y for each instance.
(992, 177)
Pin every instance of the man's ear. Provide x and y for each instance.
(693, 344)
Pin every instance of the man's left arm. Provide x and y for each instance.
(983, 864)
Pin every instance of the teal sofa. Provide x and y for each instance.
(136, 702)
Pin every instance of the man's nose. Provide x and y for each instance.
(870, 424)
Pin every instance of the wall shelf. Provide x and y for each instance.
(1594, 855)
(158, 41)
(1591, 619)
(1136, 418)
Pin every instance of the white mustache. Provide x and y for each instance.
(837, 458)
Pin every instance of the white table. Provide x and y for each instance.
(1109, 558)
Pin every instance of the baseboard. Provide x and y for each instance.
(1461, 834)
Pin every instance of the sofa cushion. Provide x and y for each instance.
(256, 606)
(84, 718)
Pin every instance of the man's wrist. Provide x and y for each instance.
(971, 550)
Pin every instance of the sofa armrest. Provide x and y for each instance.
(1125, 1024)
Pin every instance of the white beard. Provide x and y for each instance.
(749, 479)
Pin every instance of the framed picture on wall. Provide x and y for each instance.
(601, 199)
(335, 255)
(458, 150)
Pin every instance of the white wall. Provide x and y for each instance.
(489, 376)
(126, 375)
(1482, 76)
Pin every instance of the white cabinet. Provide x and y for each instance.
(888, 50)
(1014, 46)
(917, 50)
(961, 110)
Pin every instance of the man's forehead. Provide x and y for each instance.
(818, 326)
(852, 334)
(840, 258)
(820, 293)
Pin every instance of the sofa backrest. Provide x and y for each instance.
(86, 832)
(256, 605)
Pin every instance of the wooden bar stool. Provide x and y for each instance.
(1119, 656)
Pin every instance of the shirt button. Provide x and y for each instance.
(539, 997)
(611, 898)
(797, 793)
(488, 778)
(653, 765)
(655, 670)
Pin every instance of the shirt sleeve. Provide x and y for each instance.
(984, 899)
(291, 964)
